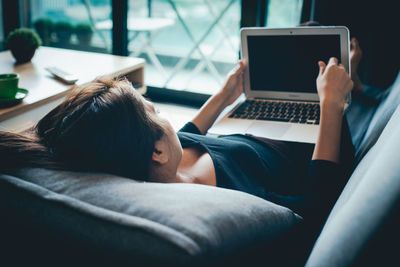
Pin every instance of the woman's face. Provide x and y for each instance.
(170, 138)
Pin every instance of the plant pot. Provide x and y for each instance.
(23, 55)
(84, 38)
(63, 36)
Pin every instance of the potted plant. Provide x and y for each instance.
(84, 33)
(63, 31)
(44, 27)
(23, 43)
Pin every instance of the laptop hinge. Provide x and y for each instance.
(281, 99)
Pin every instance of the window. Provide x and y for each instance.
(188, 45)
(283, 13)
(71, 23)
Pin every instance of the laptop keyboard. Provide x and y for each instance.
(272, 110)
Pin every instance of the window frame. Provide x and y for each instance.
(11, 16)
(253, 13)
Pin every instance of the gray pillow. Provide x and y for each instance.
(380, 118)
(173, 223)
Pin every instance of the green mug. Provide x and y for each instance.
(8, 85)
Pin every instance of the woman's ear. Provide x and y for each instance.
(160, 155)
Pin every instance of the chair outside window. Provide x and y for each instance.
(196, 46)
(188, 45)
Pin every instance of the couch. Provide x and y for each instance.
(53, 218)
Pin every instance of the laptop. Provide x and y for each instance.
(280, 98)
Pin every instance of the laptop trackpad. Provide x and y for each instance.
(269, 130)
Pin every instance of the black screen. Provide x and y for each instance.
(289, 63)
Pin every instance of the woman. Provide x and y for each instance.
(107, 126)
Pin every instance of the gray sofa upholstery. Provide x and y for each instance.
(54, 217)
(121, 220)
(362, 228)
(367, 204)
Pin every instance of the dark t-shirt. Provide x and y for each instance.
(283, 173)
(278, 171)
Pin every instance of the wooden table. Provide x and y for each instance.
(45, 92)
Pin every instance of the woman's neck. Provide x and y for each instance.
(196, 167)
(185, 177)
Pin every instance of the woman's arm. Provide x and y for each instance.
(231, 90)
(333, 84)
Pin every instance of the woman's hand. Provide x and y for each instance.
(233, 86)
(333, 83)
(231, 90)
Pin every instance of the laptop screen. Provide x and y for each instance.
(289, 63)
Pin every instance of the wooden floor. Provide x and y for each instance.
(177, 114)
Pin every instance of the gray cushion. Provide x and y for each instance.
(361, 111)
(379, 119)
(365, 204)
(160, 222)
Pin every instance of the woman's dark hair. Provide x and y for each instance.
(101, 126)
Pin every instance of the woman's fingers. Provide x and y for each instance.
(332, 61)
(322, 67)
(341, 66)
(333, 82)
(241, 65)
(237, 69)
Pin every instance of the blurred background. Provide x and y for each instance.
(190, 45)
